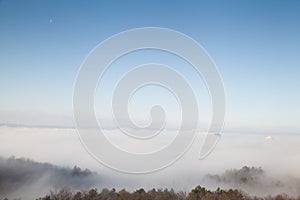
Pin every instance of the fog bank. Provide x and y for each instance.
(276, 154)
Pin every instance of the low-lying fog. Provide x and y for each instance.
(277, 155)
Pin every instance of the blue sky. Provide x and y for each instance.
(255, 45)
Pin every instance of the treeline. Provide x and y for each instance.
(198, 193)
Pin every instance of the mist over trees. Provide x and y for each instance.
(24, 178)
(255, 181)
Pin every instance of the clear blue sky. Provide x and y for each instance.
(255, 44)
